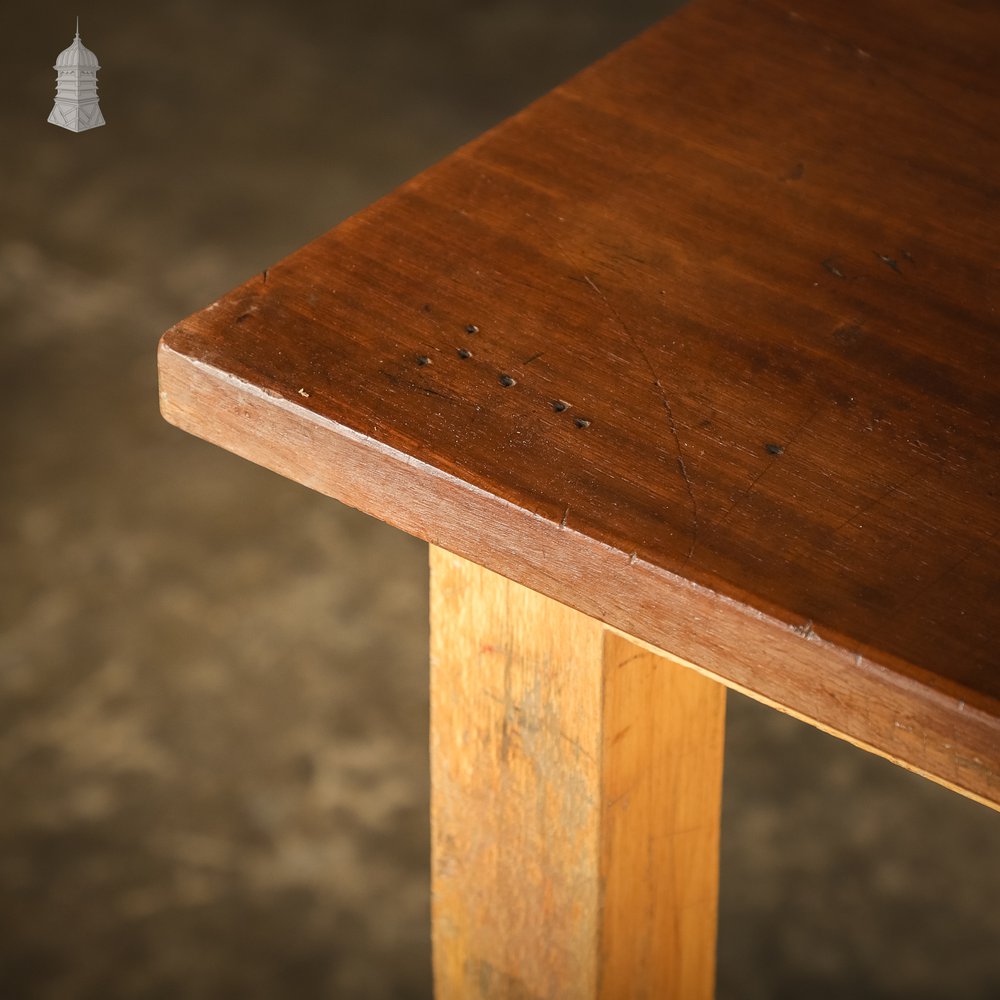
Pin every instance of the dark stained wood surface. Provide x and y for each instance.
(703, 344)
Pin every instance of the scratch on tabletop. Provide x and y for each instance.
(831, 265)
(668, 408)
(743, 494)
(882, 67)
(881, 499)
(975, 549)
(889, 262)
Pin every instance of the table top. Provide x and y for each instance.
(703, 343)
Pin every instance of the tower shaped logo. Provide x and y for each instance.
(76, 106)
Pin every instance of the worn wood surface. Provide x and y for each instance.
(703, 344)
(576, 788)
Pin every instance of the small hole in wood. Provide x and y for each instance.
(560, 405)
(464, 354)
(472, 328)
(506, 381)
(423, 360)
(774, 449)
(581, 423)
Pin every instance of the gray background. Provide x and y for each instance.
(213, 705)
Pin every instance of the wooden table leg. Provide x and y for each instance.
(576, 783)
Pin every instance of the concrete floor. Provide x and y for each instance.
(213, 704)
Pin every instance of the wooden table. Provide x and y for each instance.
(688, 373)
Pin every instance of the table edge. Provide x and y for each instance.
(920, 721)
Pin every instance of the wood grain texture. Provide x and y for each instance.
(754, 252)
(662, 742)
(576, 787)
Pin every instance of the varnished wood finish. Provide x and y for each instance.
(755, 252)
(576, 786)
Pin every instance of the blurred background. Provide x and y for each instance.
(213, 683)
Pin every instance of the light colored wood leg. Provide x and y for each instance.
(576, 784)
